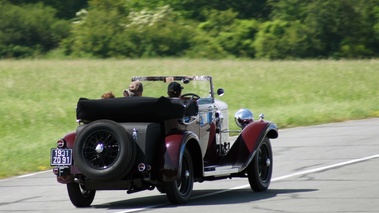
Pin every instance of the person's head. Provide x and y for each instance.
(135, 89)
(174, 89)
(107, 95)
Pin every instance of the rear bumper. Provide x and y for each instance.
(65, 174)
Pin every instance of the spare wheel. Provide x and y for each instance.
(104, 150)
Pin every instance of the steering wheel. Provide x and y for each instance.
(192, 96)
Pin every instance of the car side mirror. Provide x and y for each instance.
(220, 92)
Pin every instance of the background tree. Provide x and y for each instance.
(29, 30)
(274, 29)
(111, 29)
(336, 28)
(222, 34)
(65, 9)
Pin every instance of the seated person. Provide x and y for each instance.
(135, 89)
(108, 95)
(174, 90)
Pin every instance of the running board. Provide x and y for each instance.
(220, 170)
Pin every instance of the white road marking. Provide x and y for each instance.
(272, 180)
(326, 167)
(234, 188)
(27, 175)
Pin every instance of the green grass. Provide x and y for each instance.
(38, 97)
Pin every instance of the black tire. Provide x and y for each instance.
(104, 151)
(179, 191)
(260, 169)
(161, 189)
(80, 197)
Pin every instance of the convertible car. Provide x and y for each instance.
(155, 142)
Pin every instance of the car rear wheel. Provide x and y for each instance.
(179, 191)
(260, 169)
(104, 151)
(79, 196)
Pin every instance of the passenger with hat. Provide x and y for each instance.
(135, 89)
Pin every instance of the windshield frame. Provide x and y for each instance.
(184, 80)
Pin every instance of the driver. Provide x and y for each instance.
(174, 90)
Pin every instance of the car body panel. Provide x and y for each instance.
(173, 151)
(70, 139)
(246, 144)
(162, 130)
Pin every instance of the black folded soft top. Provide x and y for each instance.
(131, 109)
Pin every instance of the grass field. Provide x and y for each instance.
(38, 97)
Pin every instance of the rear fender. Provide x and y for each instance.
(246, 144)
(69, 138)
(65, 175)
(173, 153)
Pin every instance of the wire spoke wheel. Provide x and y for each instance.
(79, 196)
(260, 169)
(104, 150)
(101, 150)
(179, 191)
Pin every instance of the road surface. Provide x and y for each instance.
(324, 168)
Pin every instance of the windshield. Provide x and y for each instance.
(156, 86)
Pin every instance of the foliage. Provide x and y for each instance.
(65, 10)
(269, 29)
(223, 35)
(280, 39)
(29, 30)
(196, 9)
(123, 33)
(339, 28)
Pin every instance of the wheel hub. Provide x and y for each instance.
(268, 162)
(99, 148)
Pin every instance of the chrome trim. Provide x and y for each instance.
(135, 134)
(221, 171)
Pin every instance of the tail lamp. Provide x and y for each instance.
(61, 143)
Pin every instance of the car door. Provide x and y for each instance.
(206, 117)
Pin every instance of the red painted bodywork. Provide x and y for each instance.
(240, 154)
(173, 152)
(173, 145)
(251, 133)
(70, 139)
(246, 144)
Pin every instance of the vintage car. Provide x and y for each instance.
(148, 142)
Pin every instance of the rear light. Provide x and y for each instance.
(141, 167)
(144, 167)
(61, 143)
(56, 170)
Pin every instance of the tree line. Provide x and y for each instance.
(270, 29)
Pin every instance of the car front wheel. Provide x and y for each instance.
(260, 169)
(179, 191)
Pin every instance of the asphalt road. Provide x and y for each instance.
(325, 168)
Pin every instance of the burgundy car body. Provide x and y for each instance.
(198, 142)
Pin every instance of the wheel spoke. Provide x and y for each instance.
(101, 150)
(263, 165)
(260, 169)
(179, 191)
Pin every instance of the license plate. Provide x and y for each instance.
(61, 157)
